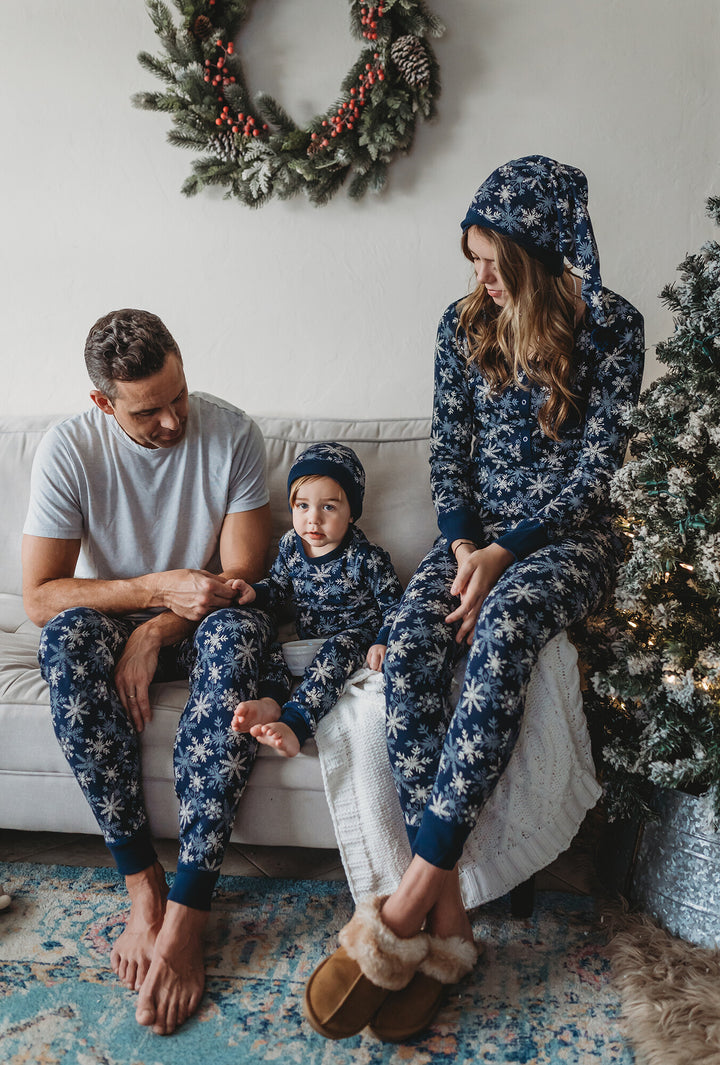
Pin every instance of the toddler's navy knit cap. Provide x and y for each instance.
(334, 460)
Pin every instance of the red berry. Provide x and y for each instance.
(218, 122)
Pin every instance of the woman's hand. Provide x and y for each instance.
(478, 573)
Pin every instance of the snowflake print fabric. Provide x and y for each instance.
(78, 653)
(494, 473)
(496, 477)
(350, 596)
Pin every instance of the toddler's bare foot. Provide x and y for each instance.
(133, 950)
(255, 712)
(173, 987)
(279, 736)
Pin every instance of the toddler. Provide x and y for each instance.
(343, 588)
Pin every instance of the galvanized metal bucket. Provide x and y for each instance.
(675, 874)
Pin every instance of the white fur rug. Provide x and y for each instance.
(670, 993)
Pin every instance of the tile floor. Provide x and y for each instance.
(573, 871)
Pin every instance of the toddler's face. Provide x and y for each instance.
(321, 515)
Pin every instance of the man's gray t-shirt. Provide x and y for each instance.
(140, 510)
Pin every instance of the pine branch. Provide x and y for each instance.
(159, 67)
(274, 114)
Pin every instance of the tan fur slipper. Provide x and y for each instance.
(347, 989)
(408, 1012)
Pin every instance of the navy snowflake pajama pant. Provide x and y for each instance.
(447, 762)
(78, 652)
(322, 685)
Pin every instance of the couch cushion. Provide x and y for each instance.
(19, 438)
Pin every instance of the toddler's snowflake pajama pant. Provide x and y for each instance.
(79, 650)
(321, 687)
(446, 762)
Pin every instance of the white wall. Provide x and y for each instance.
(331, 310)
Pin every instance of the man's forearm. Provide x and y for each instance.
(51, 597)
(166, 629)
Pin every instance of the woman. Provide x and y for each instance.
(533, 372)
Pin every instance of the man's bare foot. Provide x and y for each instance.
(133, 950)
(277, 735)
(173, 987)
(255, 712)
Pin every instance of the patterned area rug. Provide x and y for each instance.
(541, 993)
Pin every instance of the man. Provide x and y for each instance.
(143, 510)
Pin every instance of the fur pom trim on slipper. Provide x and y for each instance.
(448, 960)
(385, 958)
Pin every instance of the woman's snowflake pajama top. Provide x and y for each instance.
(496, 477)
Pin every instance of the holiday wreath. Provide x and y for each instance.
(251, 145)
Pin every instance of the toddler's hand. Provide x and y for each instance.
(245, 592)
(376, 656)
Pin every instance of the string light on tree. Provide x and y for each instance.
(656, 695)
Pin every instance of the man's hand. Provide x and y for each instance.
(192, 593)
(134, 673)
(478, 573)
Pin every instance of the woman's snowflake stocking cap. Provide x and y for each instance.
(337, 461)
(542, 205)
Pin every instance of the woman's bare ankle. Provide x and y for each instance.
(406, 910)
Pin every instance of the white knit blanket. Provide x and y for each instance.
(531, 817)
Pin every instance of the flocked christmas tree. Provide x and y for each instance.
(657, 691)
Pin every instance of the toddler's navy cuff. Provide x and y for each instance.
(295, 720)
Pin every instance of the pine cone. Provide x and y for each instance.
(225, 145)
(202, 27)
(410, 57)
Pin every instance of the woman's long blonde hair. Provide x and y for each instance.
(534, 331)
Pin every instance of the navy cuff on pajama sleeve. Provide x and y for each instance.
(462, 524)
(262, 598)
(134, 853)
(527, 536)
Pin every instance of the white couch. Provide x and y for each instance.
(284, 802)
